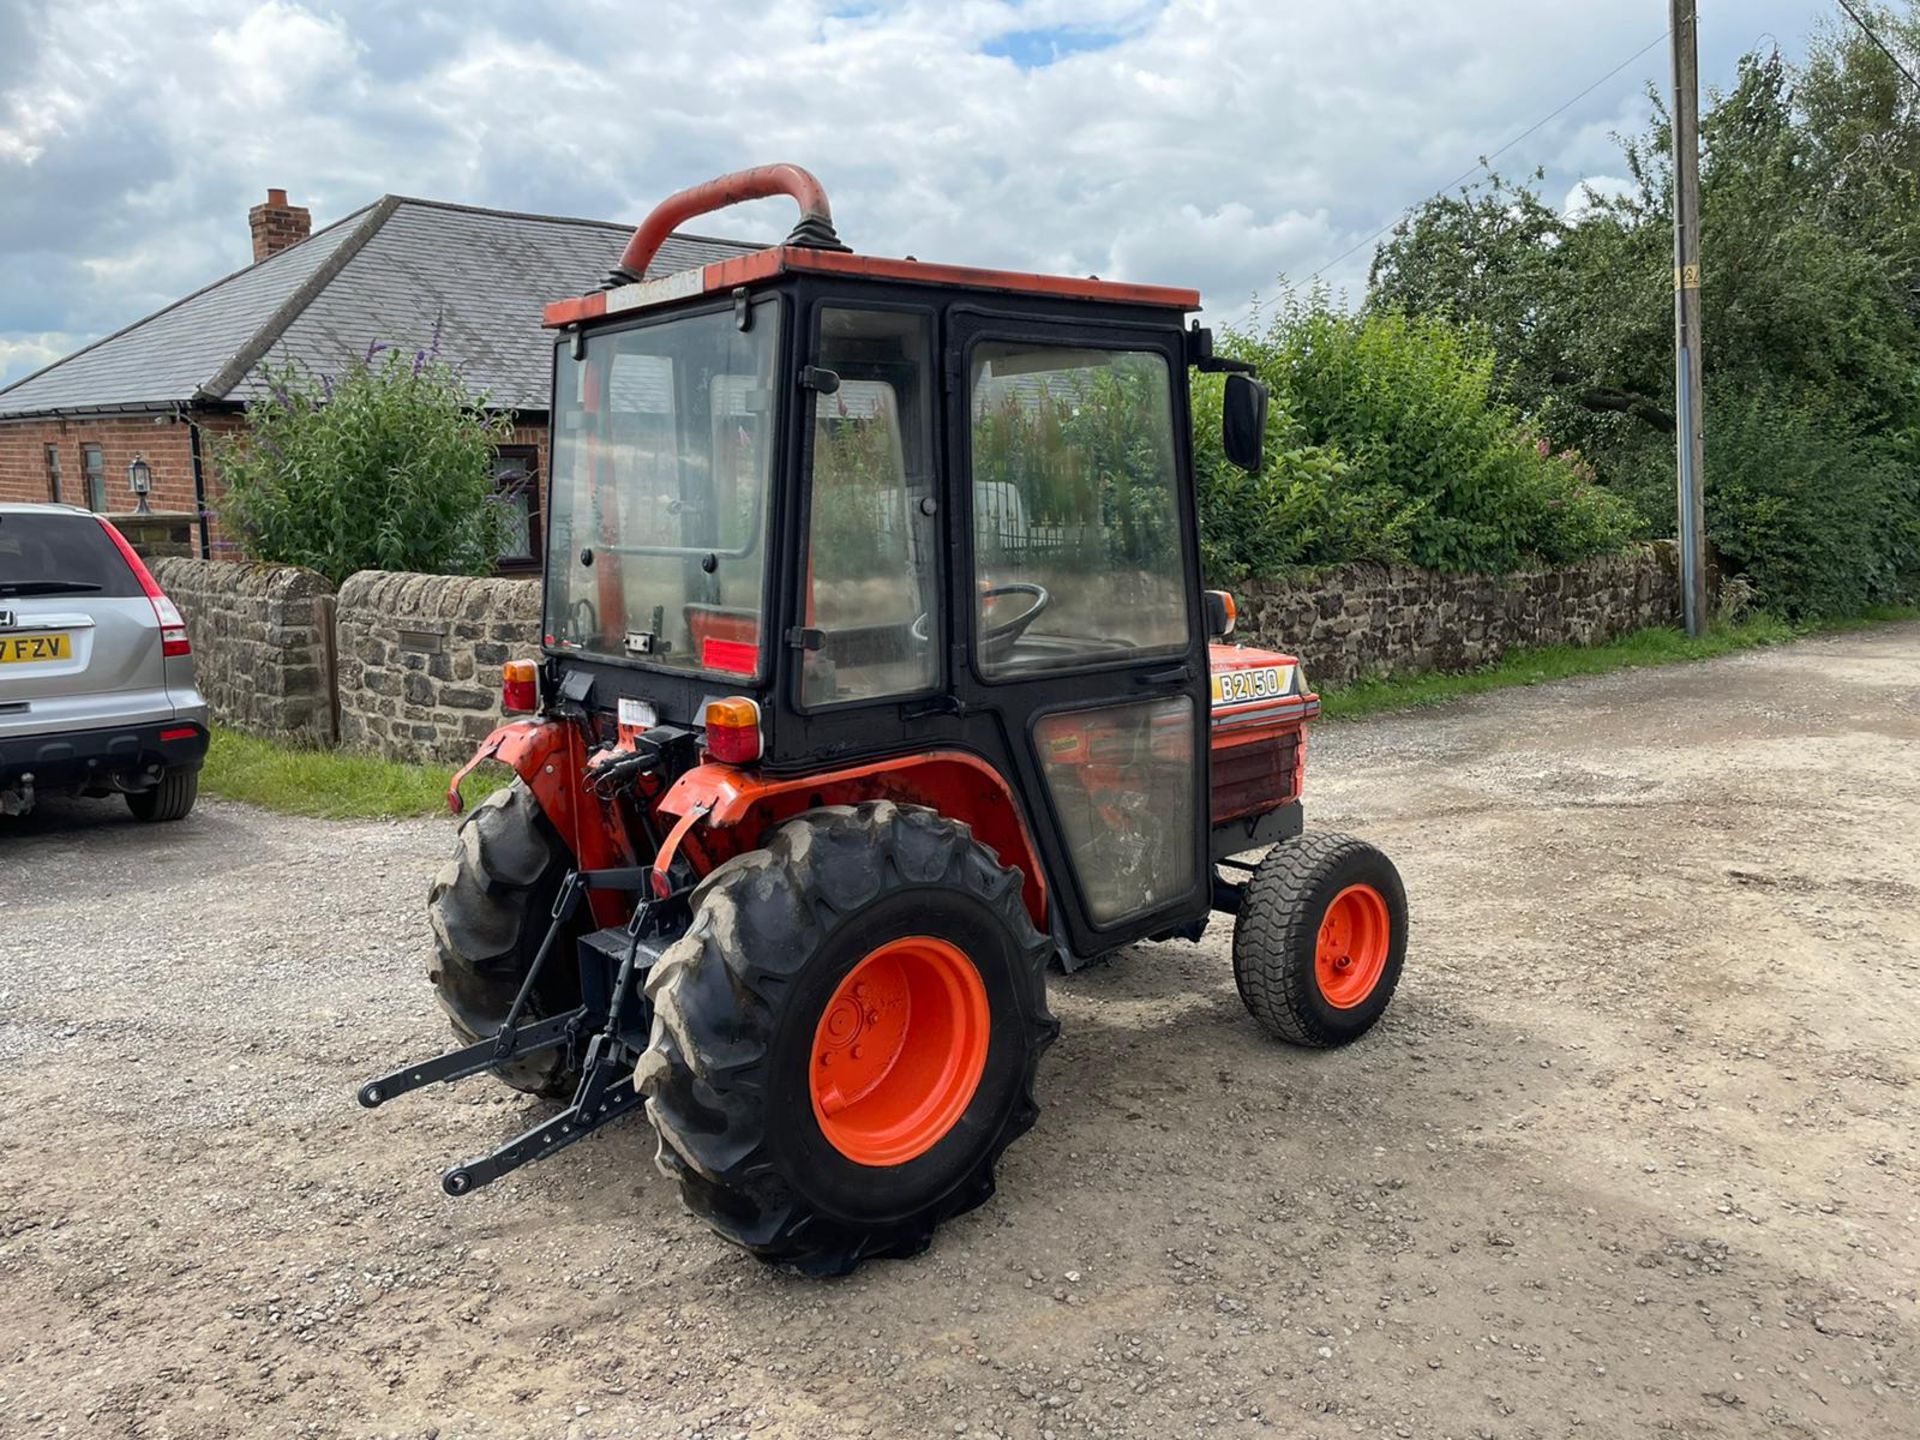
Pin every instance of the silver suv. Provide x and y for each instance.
(97, 695)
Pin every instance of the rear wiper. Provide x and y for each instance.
(46, 587)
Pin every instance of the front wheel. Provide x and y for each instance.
(845, 1039)
(1320, 939)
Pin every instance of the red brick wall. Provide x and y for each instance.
(160, 440)
(163, 442)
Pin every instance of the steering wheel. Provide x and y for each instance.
(583, 621)
(996, 640)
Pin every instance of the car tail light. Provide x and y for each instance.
(519, 695)
(733, 730)
(173, 628)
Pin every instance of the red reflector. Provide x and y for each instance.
(186, 733)
(736, 657)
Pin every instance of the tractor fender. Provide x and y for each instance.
(529, 748)
(740, 807)
(550, 758)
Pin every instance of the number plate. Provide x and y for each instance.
(1237, 687)
(29, 649)
(636, 717)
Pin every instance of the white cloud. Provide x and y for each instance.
(21, 355)
(1216, 143)
(1581, 197)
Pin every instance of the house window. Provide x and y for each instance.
(53, 474)
(516, 479)
(95, 466)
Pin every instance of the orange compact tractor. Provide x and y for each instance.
(876, 676)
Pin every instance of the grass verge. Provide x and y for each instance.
(1558, 662)
(329, 784)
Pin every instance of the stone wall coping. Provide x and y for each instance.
(281, 582)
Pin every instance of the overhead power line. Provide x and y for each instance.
(1486, 160)
(1868, 31)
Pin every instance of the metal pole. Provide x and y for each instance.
(1688, 436)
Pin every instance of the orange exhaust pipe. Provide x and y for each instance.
(814, 232)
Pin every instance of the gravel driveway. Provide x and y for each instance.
(1634, 1152)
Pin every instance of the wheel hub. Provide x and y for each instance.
(1351, 951)
(899, 1050)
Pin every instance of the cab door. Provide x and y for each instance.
(1077, 622)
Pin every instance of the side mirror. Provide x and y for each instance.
(1221, 613)
(1243, 421)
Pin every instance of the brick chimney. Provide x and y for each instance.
(276, 225)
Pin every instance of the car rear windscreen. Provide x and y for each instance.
(53, 554)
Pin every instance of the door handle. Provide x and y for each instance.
(1176, 675)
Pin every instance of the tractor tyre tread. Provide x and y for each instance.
(718, 995)
(1277, 930)
(489, 908)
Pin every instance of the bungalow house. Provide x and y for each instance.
(400, 272)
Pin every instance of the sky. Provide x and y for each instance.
(1214, 143)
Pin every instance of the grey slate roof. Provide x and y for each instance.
(393, 273)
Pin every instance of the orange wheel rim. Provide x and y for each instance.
(899, 1051)
(1355, 935)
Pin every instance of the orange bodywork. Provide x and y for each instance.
(742, 806)
(717, 811)
(721, 276)
(1259, 744)
(550, 756)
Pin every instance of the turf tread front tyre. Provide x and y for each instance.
(1276, 933)
(736, 1001)
(171, 799)
(489, 908)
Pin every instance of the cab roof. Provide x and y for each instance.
(729, 274)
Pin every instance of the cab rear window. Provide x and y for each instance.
(61, 554)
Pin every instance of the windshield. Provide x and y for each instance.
(663, 446)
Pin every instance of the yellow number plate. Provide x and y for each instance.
(25, 649)
(1236, 687)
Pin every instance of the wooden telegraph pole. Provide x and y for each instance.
(1689, 440)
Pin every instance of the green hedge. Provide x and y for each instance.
(1387, 443)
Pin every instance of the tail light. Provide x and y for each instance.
(519, 695)
(173, 627)
(733, 730)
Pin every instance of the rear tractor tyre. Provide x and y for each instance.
(171, 799)
(490, 907)
(1320, 939)
(845, 1039)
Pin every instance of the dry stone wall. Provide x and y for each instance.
(262, 644)
(1378, 620)
(420, 659)
(408, 666)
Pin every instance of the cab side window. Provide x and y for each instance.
(1076, 520)
(871, 576)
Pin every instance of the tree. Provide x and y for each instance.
(1810, 217)
(387, 467)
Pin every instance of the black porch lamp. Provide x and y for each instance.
(140, 482)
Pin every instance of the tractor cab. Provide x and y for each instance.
(859, 509)
(877, 680)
